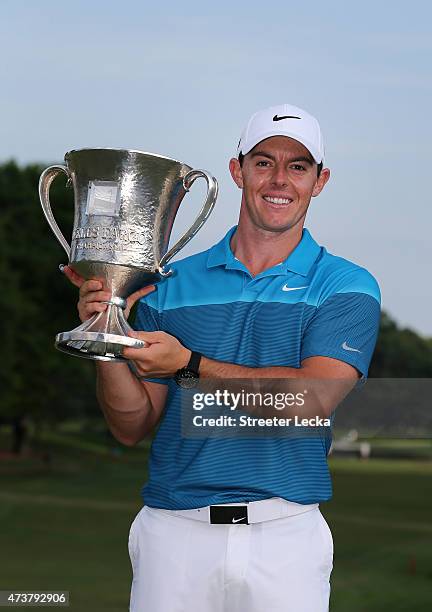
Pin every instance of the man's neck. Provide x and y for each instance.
(260, 250)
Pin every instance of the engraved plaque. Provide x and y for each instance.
(103, 198)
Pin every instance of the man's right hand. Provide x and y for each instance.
(92, 295)
(132, 407)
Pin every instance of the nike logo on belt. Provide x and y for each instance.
(286, 288)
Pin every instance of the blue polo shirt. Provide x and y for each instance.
(313, 303)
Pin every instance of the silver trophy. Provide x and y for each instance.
(125, 206)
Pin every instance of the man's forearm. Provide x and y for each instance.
(124, 402)
(210, 368)
(324, 385)
(165, 355)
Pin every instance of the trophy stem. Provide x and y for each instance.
(102, 337)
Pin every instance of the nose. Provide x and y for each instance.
(280, 176)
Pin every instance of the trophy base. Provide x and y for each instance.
(103, 337)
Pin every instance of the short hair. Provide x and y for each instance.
(241, 158)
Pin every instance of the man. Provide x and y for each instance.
(233, 524)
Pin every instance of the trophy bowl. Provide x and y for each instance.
(126, 202)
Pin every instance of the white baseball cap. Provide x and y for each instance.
(283, 120)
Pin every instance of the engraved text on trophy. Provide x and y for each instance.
(111, 238)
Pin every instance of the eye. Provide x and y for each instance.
(298, 167)
(263, 163)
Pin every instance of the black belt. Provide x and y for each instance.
(229, 515)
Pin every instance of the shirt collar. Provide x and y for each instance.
(220, 254)
(299, 261)
(304, 255)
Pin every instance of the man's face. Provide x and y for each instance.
(278, 178)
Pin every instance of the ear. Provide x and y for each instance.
(321, 181)
(236, 172)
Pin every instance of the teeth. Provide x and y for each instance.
(277, 200)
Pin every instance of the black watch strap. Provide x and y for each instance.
(194, 362)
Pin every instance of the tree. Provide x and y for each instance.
(36, 302)
(400, 353)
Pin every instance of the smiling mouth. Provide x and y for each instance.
(277, 201)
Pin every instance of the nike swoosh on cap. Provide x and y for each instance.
(243, 518)
(276, 118)
(349, 348)
(286, 288)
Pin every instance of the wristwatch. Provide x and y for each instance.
(188, 377)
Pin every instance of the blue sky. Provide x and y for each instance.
(182, 79)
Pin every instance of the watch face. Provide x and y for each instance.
(187, 379)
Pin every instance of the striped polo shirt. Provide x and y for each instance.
(311, 304)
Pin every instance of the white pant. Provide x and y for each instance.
(185, 565)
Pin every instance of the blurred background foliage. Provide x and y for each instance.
(37, 302)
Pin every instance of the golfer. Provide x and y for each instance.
(232, 524)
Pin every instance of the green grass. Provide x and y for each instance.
(65, 526)
(381, 521)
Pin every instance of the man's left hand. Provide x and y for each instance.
(163, 356)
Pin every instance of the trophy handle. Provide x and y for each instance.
(45, 181)
(212, 191)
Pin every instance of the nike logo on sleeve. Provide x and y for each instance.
(349, 348)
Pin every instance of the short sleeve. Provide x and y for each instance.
(345, 326)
